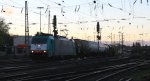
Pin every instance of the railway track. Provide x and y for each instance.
(108, 74)
(5, 62)
(96, 74)
(125, 79)
(17, 64)
(37, 71)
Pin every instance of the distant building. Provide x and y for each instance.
(19, 43)
(19, 40)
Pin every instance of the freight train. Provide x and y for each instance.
(49, 46)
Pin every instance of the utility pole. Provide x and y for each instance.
(119, 41)
(122, 41)
(94, 36)
(26, 25)
(49, 25)
(40, 17)
(111, 37)
(114, 39)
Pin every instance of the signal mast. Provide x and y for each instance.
(98, 35)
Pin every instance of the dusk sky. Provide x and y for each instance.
(79, 17)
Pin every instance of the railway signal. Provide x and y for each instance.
(55, 26)
(98, 27)
(98, 35)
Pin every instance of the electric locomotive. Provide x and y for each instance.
(48, 46)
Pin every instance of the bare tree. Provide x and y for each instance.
(5, 38)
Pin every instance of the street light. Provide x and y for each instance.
(40, 16)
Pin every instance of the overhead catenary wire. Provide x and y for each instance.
(59, 4)
(65, 6)
(76, 10)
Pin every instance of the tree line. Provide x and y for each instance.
(5, 37)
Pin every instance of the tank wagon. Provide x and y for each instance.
(90, 48)
(48, 46)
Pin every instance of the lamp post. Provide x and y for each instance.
(40, 16)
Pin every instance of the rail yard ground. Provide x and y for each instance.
(142, 74)
(20, 67)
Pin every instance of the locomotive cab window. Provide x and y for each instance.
(39, 40)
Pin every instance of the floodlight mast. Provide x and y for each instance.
(40, 17)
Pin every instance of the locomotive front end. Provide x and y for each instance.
(39, 46)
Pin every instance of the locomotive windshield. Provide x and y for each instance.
(39, 40)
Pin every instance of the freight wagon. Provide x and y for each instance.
(90, 48)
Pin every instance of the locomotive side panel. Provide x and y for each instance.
(64, 48)
(50, 47)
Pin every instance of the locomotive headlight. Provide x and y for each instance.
(32, 51)
(45, 51)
